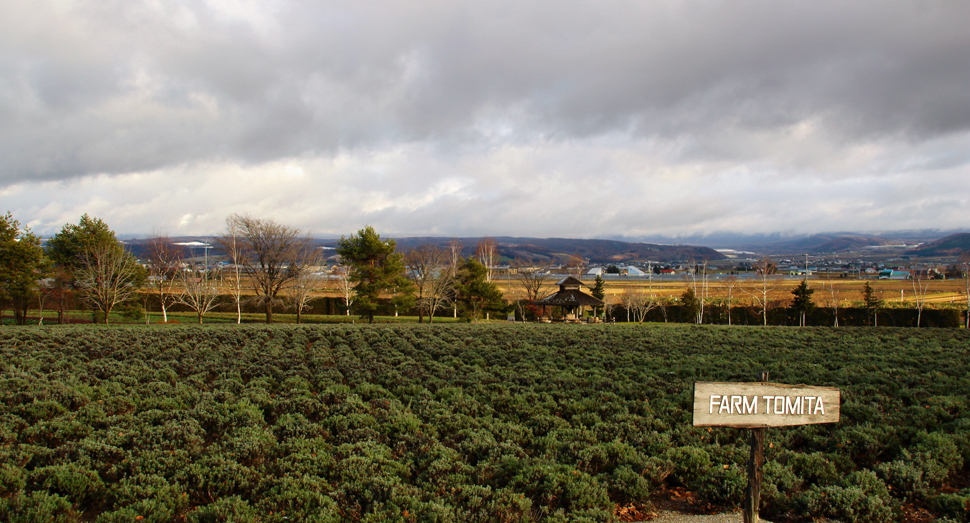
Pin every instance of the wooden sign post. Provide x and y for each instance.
(757, 406)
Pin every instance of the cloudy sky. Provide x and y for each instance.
(541, 118)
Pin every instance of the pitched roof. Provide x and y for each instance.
(569, 280)
(570, 298)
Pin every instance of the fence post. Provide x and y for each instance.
(752, 501)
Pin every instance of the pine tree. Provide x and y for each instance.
(474, 291)
(871, 303)
(691, 305)
(375, 269)
(22, 264)
(599, 290)
(802, 304)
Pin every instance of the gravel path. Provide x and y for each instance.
(667, 516)
(676, 517)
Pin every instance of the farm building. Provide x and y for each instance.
(891, 274)
(569, 297)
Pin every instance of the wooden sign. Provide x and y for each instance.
(754, 405)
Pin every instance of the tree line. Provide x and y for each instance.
(271, 266)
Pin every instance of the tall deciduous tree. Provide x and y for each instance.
(455, 248)
(301, 290)
(164, 263)
(108, 275)
(698, 281)
(344, 285)
(474, 291)
(965, 275)
(638, 302)
(97, 266)
(376, 268)
(231, 242)
(67, 246)
(199, 291)
(428, 269)
(22, 264)
(487, 254)
(766, 269)
(576, 266)
(835, 303)
(534, 278)
(920, 278)
(274, 256)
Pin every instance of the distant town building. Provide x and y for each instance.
(891, 274)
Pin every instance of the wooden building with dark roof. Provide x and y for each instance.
(569, 297)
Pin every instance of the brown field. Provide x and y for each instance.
(847, 291)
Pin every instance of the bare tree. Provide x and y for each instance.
(610, 306)
(766, 270)
(300, 292)
(921, 284)
(199, 291)
(731, 283)
(230, 243)
(454, 249)
(487, 253)
(835, 303)
(439, 295)
(273, 256)
(345, 286)
(428, 269)
(577, 265)
(46, 289)
(639, 302)
(699, 286)
(164, 262)
(532, 277)
(107, 275)
(965, 275)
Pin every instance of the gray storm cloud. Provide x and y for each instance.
(834, 91)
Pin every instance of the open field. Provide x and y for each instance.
(467, 422)
(845, 292)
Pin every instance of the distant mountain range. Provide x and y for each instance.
(783, 243)
(559, 250)
(539, 250)
(951, 245)
(607, 251)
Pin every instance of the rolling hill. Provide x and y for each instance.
(951, 245)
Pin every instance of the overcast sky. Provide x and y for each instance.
(503, 117)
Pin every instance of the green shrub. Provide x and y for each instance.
(850, 504)
(953, 506)
(80, 486)
(690, 464)
(37, 506)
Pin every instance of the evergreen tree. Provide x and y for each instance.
(67, 247)
(802, 303)
(599, 290)
(96, 264)
(375, 269)
(871, 303)
(22, 264)
(691, 305)
(474, 291)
